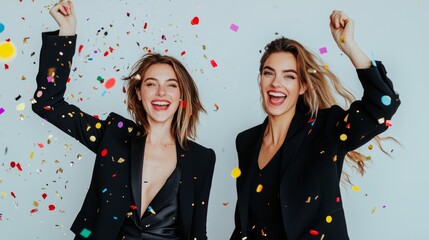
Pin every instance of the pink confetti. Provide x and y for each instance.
(388, 123)
(40, 145)
(323, 50)
(234, 27)
(2, 111)
(213, 63)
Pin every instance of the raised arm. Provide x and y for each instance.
(54, 68)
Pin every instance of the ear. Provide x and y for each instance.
(139, 96)
(303, 88)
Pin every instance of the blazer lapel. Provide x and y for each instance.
(186, 190)
(137, 151)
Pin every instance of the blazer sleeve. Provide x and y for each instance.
(54, 68)
(202, 200)
(369, 116)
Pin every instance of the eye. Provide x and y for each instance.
(290, 77)
(267, 73)
(172, 85)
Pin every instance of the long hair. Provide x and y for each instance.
(322, 86)
(186, 117)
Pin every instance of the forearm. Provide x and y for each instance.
(359, 59)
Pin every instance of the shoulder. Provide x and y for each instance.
(123, 125)
(247, 136)
(200, 150)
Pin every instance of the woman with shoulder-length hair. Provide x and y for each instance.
(291, 164)
(149, 180)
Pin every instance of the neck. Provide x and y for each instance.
(277, 128)
(160, 133)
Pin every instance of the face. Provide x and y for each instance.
(159, 93)
(279, 84)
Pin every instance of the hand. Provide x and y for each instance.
(342, 29)
(63, 13)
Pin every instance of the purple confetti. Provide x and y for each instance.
(233, 27)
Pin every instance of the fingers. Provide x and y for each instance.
(339, 19)
(63, 7)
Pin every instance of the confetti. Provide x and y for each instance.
(386, 100)
(259, 188)
(92, 138)
(2, 111)
(314, 232)
(20, 107)
(373, 210)
(85, 233)
(195, 21)
(328, 219)
(183, 104)
(216, 107)
(40, 145)
(44, 195)
(236, 172)
(120, 124)
(80, 49)
(370, 147)
(7, 51)
(110, 83)
(213, 63)
(225, 204)
(104, 152)
(338, 199)
(323, 50)
(1, 27)
(311, 70)
(342, 38)
(326, 66)
(182, 53)
(98, 125)
(51, 207)
(388, 123)
(150, 209)
(356, 188)
(233, 27)
(343, 137)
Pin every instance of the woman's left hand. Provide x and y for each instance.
(342, 29)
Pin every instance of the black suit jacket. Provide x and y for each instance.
(119, 146)
(312, 159)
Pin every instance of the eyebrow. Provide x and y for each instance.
(284, 71)
(168, 80)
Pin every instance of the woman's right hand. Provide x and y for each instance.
(63, 13)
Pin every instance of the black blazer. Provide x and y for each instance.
(312, 160)
(119, 146)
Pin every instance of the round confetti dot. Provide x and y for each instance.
(343, 137)
(195, 21)
(120, 124)
(92, 138)
(51, 207)
(236, 172)
(104, 152)
(1, 27)
(370, 147)
(39, 94)
(98, 125)
(110, 83)
(386, 100)
(7, 51)
(356, 188)
(259, 188)
(328, 219)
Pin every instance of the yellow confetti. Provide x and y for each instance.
(98, 125)
(236, 172)
(35, 204)
(20, 107)
(79, 156)
(343, 137)
(7, 51)
(308, 200)
(92, 138)
(21, 116)
(130, 129)
(311, 70)
(31, 155)
(346, 118)
(121, 160)
(326, 66)
(259, 188)
(342, 38)
(328, 219)
(370, 147)
(334, 158)
(356, 188)
(373, 210)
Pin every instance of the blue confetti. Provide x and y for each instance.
(1, 27)
(386, 100)
(104, 190)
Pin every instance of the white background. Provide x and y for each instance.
(392, 203)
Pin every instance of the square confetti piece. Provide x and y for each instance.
(2, 111)
(234, 27)
(323, 50)
(213, 63)
(85, 233)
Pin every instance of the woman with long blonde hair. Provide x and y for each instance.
(291, 164)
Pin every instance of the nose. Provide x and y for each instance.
(275, 82)
(161, 91)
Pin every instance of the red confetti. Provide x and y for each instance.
(51, 207)
(13, 194)
(106, 53)
(110, 83)
(124, 90)
(114, 175)
(6, 66)
(104, 152)
(314, 232)
(7, 39)
(338, 199)
(68, 80)
(145, 26)
(388, 123)
(213, 63)
(311, 120)
(19, 167)
(40, 145)
(33, 210)
(348, 126)
(96, 116)
(44, 195)
(182, 53)
(80, 49)
(133, 207)
(183, 104)
(111, 49)
(12, 164)
(195, 21)
(47, 108)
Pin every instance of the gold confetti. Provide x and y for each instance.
(236, 172)
(79, 156)
(225, 203)
(31, 155)
(23, 78)
(343, 137)
(346, 118)
(373, 210)
(121, 160)
(342, 38)
(98, 125)
(20, 107)
(308, 200)
(356, 188)
(35, 204)
(92, 138)
(334, 158)
(259, 188)
(326, 66)
(370, 147)
(328, 219)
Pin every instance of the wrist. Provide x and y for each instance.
(67, 31)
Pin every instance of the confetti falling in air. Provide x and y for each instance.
(328, 219)
(195, 21)
(314, 232)
(323, 50)
(2, 110)
(259, 188)
(311, 70)
(236, 172)
(80, 49)
(183, 104)
(110, 83)
(1, 27)
(213, 63)
(356, 188)
(343, 137)
(51, 207)
(20, 107)
(233, 27)
(85, 233)
(370, 147)
(7, 51)
(216, 107)
(104, 152)
(342, 38)
(386, 100)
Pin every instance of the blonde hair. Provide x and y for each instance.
(186, 117)
(322, 85)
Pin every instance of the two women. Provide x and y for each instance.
(149, 181)
(291, 164)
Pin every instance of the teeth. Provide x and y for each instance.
(276, 94)
(161, 103)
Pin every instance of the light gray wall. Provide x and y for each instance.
(392, 203)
